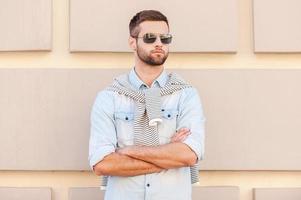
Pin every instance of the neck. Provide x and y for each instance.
(147, 73)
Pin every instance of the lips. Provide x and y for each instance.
(158, 51)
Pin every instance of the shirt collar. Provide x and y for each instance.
(139, 84)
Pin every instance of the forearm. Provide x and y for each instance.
(116, 164)
(172, 155)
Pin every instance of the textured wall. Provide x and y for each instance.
(59, 57)
(253, 117)
(277, 26)
(210, 26)
(25, 25)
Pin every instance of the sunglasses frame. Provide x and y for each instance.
(149, 40)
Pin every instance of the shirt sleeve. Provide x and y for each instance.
(102, 140)
(191, 116)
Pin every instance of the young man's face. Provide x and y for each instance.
(152, 53)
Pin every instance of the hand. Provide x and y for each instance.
(180, 135)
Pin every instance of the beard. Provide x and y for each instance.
(149, 59)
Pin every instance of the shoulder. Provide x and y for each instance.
(104, 98)
(190, 92)
(104, 94)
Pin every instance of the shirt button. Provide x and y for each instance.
(126, 118)
(168, 115)
(148, 185)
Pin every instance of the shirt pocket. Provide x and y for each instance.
(168, 126)
(124, 128)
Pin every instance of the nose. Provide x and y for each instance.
(158, 41)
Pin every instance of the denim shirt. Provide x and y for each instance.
(112, 119)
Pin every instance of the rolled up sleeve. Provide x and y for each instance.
(102, 140)
(191, 116)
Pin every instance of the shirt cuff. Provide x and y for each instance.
(194, 146)
(99, 154)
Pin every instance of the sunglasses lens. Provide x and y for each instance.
(166, 39)
(149, 38)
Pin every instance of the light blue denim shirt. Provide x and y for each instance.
(112, 125)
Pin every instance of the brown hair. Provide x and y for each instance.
(145, 15)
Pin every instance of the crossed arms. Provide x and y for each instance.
(138, 160)
(183, 150)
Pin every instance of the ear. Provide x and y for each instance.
(132, 43)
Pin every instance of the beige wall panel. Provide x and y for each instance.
(45, 117)
(25, 25)
(197, 25)
(22, 193)
(198, 193)
(277, 193)
(215, 193)
(277, 26)
(86, 193)
(253, 117)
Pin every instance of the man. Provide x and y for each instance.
(147, 129)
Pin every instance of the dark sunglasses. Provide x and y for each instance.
(151, 38)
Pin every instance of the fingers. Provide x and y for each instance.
(180, 135)
(181, 132)
(181, 138)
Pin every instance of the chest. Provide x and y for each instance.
(125, 109)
